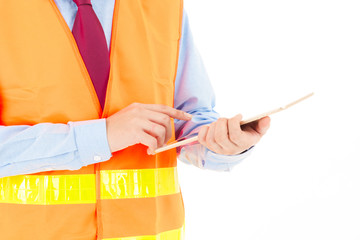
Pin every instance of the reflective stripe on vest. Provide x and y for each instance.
(116, 184)
(76, 189)
(48, 190)
(177, 234)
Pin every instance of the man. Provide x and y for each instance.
(88, 144)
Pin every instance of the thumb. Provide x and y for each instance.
(263, 125)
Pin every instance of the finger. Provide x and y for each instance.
(156, 130)
(222, 136)
(202, 134)
(210, 139)
(263, 125)
(149, 141)
(171, 112)
(235, 132)
(161, 119)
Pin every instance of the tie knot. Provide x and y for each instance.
(82, 2)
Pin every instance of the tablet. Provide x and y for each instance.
(249, 120)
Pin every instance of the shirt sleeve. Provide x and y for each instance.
(194, 94)
(48, 146)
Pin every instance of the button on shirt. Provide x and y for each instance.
(47, 146)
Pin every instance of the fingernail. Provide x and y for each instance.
(188, 115)
(150, 152)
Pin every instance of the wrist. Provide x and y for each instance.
(109, 135)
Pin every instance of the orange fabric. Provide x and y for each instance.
(39, 52)
(20, 222)
(43, 79)
(138, 159)
(157, 216)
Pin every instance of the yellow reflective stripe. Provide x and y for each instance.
(76, 189)
(177, 234)
(140, 183)
(48, 189)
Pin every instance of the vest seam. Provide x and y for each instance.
(105, 111)
(178, 47)
(112, 46)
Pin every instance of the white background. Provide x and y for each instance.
(303, 179)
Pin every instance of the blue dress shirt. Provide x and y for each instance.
(47, 146)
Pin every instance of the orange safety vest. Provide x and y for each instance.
(43, 79)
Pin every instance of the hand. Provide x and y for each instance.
(148, 124)
(225, 136)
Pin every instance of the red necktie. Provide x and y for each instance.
(91, 41)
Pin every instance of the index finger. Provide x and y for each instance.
(171, 112)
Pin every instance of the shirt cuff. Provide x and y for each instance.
(91, 141)
(219, 162)
(201, 157)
